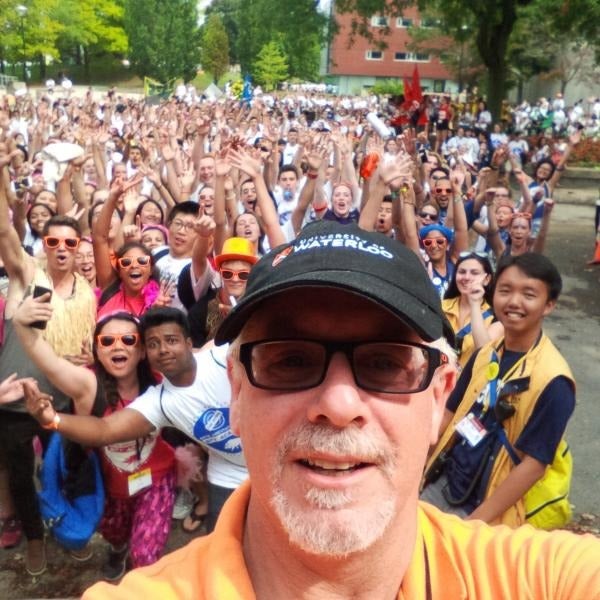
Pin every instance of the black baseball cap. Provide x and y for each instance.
(329, 255)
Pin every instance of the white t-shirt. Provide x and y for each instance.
(170, 268)
(202, 412)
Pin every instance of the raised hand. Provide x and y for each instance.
(204, 226)
(243, 161)
(575, 138)
(33, 309)
(38, 404)
(11, 389)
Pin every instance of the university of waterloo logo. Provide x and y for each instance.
(283, 254)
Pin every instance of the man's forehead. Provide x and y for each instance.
(163, 330)
(323, 312)
(58, 230)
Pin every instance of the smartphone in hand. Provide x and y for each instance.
(38, 291)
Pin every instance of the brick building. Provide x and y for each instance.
(359, 66)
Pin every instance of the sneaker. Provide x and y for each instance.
(116, 564)
(35, 557)
(183, 504)
(82, 555)
(11, 533)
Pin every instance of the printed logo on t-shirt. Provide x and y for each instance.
(212, 429)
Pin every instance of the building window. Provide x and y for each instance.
(374, 55)
(412, 57)
(404, 22)
(379, 21)
(429, 23)
(439, 85)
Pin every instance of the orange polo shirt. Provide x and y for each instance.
(466, 559)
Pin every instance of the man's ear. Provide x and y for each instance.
(550, 306)
(234, 407)
(441, 387)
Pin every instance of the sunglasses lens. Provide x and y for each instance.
(243, 275)
(71, 243)
(106, 340)
(143, 260)
(125, 262)
(227, 274)
(129, 339)
(52, 242)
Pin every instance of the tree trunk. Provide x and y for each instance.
(86, 64)
(520, 90)
(42, 68)
(496, 88)
(492, 43)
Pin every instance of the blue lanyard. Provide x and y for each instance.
(466, 330)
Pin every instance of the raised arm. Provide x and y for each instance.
(249, 165)
(574, 139)
(205, 228)
(493, 233)
(540, 241)
(11, 253)
(461, 233)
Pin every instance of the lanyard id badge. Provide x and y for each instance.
(471, 429)
(136, 482)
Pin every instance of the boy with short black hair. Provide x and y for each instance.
(509, 410)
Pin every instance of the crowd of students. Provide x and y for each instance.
(129, 230)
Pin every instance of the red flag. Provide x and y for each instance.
(407, 92)
(417, 94)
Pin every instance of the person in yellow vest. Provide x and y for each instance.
(508, 412)
(467, 305)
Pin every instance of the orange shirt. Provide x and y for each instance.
(467, 559)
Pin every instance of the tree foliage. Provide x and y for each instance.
(492, 23)
(164, 38)
(271, 66)
(62, 28)
(296, 25)
(215, 47)
(229, 13)
(40, 28)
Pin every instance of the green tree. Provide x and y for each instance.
(39, 27)
(163, 38)
(229, 12)
(271, 66)
(215, 47)
(297, 25)
(93, 28)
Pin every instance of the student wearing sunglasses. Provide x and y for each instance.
(437, 246)
(69, 329)
(234, 265)
(139, 475)
(520, 240)
(134, 287)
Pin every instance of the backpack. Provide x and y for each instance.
(72, 495)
